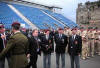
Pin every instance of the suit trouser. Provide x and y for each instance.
(62, 58)
(46, 60)
(33, 61)
(2, 63)
(76, 60)
(8, 59)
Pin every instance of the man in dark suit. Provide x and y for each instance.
(34, 49)
(47, 48)
(2, 44)
(3, 40)
(61, 43)
(74, 48)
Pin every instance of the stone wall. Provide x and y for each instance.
(88, 14)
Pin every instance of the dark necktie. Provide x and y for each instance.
(37, 42)
(73, 37)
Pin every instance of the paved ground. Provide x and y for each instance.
(89, 63)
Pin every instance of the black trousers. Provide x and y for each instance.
(33, 61)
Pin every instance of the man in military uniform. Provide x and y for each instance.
(99, 43)
(91, 41)
(17, 46)
(96, 39)
(84, 43)
(88, 48)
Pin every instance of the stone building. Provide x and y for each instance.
(88, 14)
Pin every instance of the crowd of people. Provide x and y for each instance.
(20, 45)
(90, 41)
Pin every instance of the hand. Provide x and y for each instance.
(28, 55)
(3, 36)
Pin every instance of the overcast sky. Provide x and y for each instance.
(69, 6)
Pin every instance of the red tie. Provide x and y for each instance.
(5, 42)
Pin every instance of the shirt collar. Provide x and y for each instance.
(16, 32)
